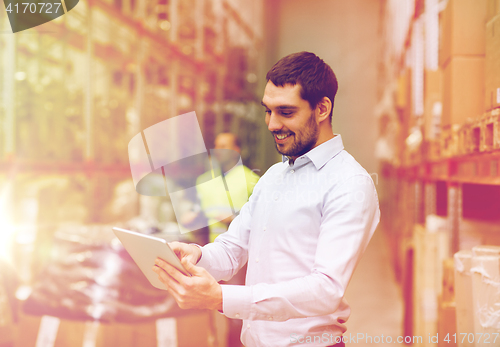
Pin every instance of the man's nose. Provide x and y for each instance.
(274, 124)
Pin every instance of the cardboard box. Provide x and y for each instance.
(184, 331)
(446, 323)
(433, 104)
(449, 141)
(492, 65)
(431, 248)
(463, 293)
(463, 90)
(488, 126)
(464, 138)
(433, 150)
(462, 29)
(448, 293)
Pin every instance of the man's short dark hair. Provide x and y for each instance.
(315, 77)
(236, 138)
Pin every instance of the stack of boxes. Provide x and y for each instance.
(492, 59)
(462, 59)
(470, 62)
(489, 126)
(461, 117)
(433, 111)
(447, 307)
(431, 249)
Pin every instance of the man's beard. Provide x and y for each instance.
(302, 143)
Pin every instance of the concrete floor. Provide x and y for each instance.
(375, 299)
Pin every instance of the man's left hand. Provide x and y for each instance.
(200, 291)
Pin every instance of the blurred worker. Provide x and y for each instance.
(227, 153)
(303, 231)
(214, 205)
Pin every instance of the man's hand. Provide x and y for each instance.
(191, 252)
(200, 291)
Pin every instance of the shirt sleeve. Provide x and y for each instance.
(349, 218)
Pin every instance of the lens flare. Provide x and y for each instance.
(6, 225)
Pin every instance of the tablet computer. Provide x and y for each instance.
(144, 249)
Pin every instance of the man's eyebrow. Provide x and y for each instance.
(287, 107)
(281, 107)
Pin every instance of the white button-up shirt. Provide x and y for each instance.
(302, 232)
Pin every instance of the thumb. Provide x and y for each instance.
(190, 267)
(190, 258)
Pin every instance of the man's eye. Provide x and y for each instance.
(268, 111)
(286, 113)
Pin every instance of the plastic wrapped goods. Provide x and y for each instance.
(485, 269)
(92, 277)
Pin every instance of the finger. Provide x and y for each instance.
(165, 280)
(190, 258)
(170, 270)
(191, 268)
(172, 285)
(176, 247)
(164, 267)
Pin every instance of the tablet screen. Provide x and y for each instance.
(144, 249)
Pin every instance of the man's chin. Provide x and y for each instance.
(281, 150)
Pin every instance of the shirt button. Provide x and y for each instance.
(276, 197)
(257, 260)
(237, 315)
(248, 326)
(270, 318)
(292, 171)
(264, 228)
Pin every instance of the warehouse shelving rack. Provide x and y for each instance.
(120, 66)
(146, 45)
(454, 173)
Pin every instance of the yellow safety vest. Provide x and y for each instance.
(215, 203)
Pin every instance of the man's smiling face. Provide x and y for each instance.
(290, 119)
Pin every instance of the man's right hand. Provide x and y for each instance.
(192, 253)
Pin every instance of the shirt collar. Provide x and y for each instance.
(321, 154)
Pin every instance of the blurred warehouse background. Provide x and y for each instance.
(418, 106)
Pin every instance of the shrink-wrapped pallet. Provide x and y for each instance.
(485, 270)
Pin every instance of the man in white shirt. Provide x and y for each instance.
(303, 230)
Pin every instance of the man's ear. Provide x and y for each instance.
(324, 107)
